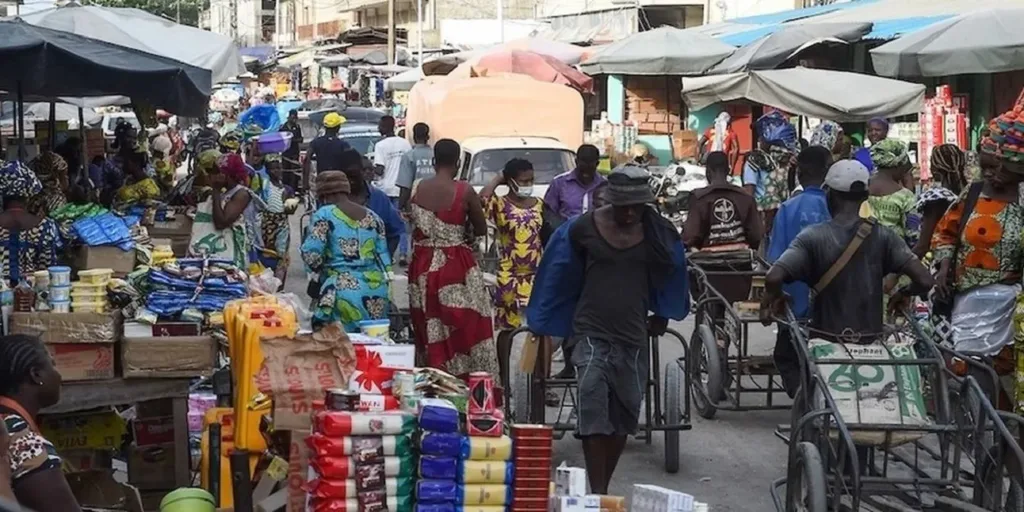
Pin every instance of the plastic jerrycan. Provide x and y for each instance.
(248, 419)
(226, 417)
(234, 313)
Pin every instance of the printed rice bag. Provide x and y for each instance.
(344, 423)
(438, 415)
(345, 489)
(438, 468)
(487, 448)
(372, 502)
(437, 491)
(367, 473)
(483, 494)
(363, 448)
(485, 472)
(447, 444)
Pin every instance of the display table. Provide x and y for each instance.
(82, 396)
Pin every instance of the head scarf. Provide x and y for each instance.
(329, 183)
(271, 157)
(231, 140)
(889, 153)
(16, 180)
(208, 160)
(232, 166)
(51, 168)
(163, 144)
(775, 128)
(1004, 138)
(951, 161)
(721, 126)
(629, 185)
(826, 135)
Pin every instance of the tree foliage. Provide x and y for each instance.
(190, 9)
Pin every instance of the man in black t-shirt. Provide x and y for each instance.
(327, 149)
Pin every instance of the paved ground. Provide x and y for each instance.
(728, 462)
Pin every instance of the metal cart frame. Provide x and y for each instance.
(525, 394)
(722, 376)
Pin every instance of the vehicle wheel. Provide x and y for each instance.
(517, 390)
(706, 373)
(805, 490)
(674, 387)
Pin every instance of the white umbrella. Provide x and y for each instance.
(984, 41)
(825, 94)
(64, 112)
(404, 80)
(662, 51)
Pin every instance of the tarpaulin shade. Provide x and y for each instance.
(773, 49)
(566, 53)
(834, 95)
(539, 67)
(662, 51)
(52, 63)
(985, 41)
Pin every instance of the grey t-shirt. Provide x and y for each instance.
(613, 303)
(852, 302)
(417, 163)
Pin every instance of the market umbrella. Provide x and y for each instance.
(566, 53)
(835, 95)
(51, 63)
(984, 41)
(135, 28)
(662, 51)
(404, 80)
(540, 67)
(773, 49)
(64, 112)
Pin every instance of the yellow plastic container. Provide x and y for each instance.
(251, 360)
(89, 307)
(88, 292)
(96, 275)
(224, 416)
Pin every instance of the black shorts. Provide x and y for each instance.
(612, 379)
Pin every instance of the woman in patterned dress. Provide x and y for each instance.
(518, 217)
(28, 384)
(449, 305)
(38, 239)
(769, 172)
(277, 233)
(890, 202)
(346, 248)
(948, 164)
(52, 171)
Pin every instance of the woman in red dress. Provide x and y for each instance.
(448, 301)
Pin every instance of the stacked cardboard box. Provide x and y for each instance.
(654, 103)
(82, 344)
(531, 455)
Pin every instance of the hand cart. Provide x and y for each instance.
(666, 403)
(724, 372)
(961, 456)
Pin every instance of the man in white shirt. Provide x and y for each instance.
(387, 158)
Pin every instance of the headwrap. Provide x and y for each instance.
(50, 168)
(775, 128)
(881, 121)
(721, 126)
(162, 143)
(629, 185)
(16, 180)
(1005, 138)
(208, 159)
(271, 157)
(889, 153)
(231, 140)
(826, 135)
(232, 166)
(951, 161)
(332, 182)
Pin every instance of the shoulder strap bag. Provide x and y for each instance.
(863, 232)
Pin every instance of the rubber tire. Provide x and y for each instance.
(673, 413)
(518, 389)
(812, 472)
(704, 340)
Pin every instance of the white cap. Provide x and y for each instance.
(844, 173)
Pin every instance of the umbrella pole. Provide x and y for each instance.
(52, 139)
(84, 147)
(20, 121)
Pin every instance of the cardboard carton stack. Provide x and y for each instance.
(82, 344)
(653, 103)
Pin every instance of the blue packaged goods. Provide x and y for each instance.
(435, 507)
(438, 468)
(104, 229)
(483, 494)
(438, 415)
(485, 472)
(441, 443)
(486, 448)
(437, 491)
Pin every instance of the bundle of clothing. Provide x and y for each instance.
(191, 288)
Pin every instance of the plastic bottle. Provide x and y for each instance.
(24, 297)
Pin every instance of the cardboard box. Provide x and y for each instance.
(589, 503)
(97, 491)
(104, 256)
(375, 365)
(88, 431)
(570, 481)
(168, 356)
(83, 361)
(143, 330)
(153, 431)
(179, 226)
(67, 328)
(151, 467)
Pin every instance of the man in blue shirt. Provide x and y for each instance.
(373, 198)
(805, 209)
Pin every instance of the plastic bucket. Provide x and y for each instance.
(188, 499)
(60, 306)
(60, 293)
(60, 276)
(380, 329)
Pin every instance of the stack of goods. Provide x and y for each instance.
(944, 121)
(531, 455)
(651, 498)
(190, 287)
(60, 289)
(360, 460)
(89, 293)
(161, 255)
(104, 229)
(379, 366)
(571, 492)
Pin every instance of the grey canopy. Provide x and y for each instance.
(662, 51)
(984, 41)
(134, 28)
(63, 111)
(773, 49)
(834, 95)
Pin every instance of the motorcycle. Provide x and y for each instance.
(673, 185)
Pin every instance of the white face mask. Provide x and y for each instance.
(522, 190)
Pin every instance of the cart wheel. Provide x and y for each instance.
(806, 489)
(1007, 486)
(517, 390)
(673, 413)
(706, 376)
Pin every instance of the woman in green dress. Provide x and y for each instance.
(347, 250)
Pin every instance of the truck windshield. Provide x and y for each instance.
(547, 163)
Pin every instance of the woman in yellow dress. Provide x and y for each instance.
(518, 217)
